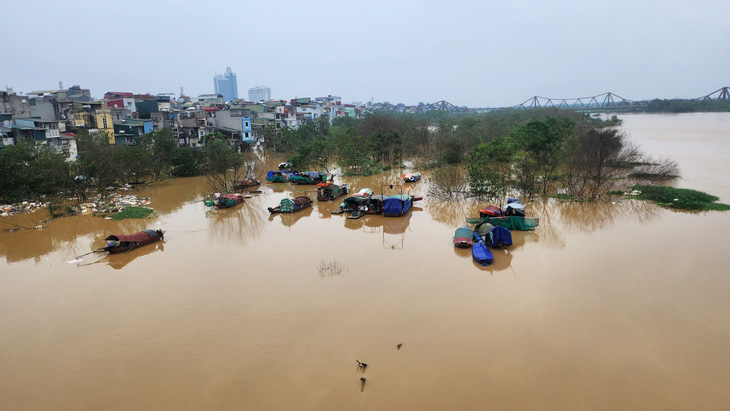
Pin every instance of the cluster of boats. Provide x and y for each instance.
(364, 202)
(492, 229)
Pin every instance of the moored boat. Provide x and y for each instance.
(411, 177)
(482, 254)
(281, 176)
(126, 242)
(463, 237)
(309, 177)
(329, 191)
(249, 182)
(288, 205)
(363, 204)
(397, 205)
(226, 200)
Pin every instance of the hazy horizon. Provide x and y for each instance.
(477, 54)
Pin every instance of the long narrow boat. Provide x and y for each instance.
(287, 205)
(309, 177)
(123, 243)
(482, 254)
(510, 223)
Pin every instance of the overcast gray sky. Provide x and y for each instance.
(473, 53)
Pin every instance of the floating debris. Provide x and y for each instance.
(7, 210)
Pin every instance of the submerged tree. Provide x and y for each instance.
(221, 165)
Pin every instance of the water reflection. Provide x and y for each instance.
(120, 260)
(289, 219)
(238, 224)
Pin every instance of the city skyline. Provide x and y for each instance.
(476, 54)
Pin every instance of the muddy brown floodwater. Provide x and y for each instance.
(608, 306)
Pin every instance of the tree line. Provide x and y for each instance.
(29, 170)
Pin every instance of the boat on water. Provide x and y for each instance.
(482, 254)
(397, 205)
(126, 242)
(288, 205)
(280, 176)
(249, 182)
(225, 201)
(512, 217)
(463, 237)
(359, 205)
(329, 191)
(309, 178)
(411, 177)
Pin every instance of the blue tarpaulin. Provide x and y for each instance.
(396, 205)
(500, 236)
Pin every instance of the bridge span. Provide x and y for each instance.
(602, 102)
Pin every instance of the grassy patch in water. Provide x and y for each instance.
(133, 212)
(680, 198)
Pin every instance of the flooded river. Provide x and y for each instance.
(609, 306)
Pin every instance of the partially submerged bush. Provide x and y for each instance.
(450, 182)
(133, 212)
(661, 169)
(680, 198)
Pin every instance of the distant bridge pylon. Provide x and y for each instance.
(602, 101)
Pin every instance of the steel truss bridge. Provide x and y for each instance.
(603, 102)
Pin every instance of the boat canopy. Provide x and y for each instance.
(140, 236)
(499, 236)
(397, 204)
(514, 208)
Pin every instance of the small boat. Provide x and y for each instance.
(463, 237)
(249, 182)
(514, 208)
(124, 243)
(490, 211)
(287, 205)
(225, 201)
(285, 166)
(397, 205)
(481, 254)
(372, 204)
(411, 177)
(364, 192)
(309, 177)
(499, 237)
(329, 191)
(510, 223)
(281, 176)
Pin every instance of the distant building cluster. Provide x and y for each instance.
(53, 117)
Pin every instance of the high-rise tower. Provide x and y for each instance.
(226, 85)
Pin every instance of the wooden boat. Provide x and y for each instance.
(363, 205)
(287, 205)
(411, 178)
(308, 177)
(249, 182)
(329, 191)
(463, 237)
(280, 176)
(124, 243)
(228, 200)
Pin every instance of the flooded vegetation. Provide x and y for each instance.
(606, 304)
